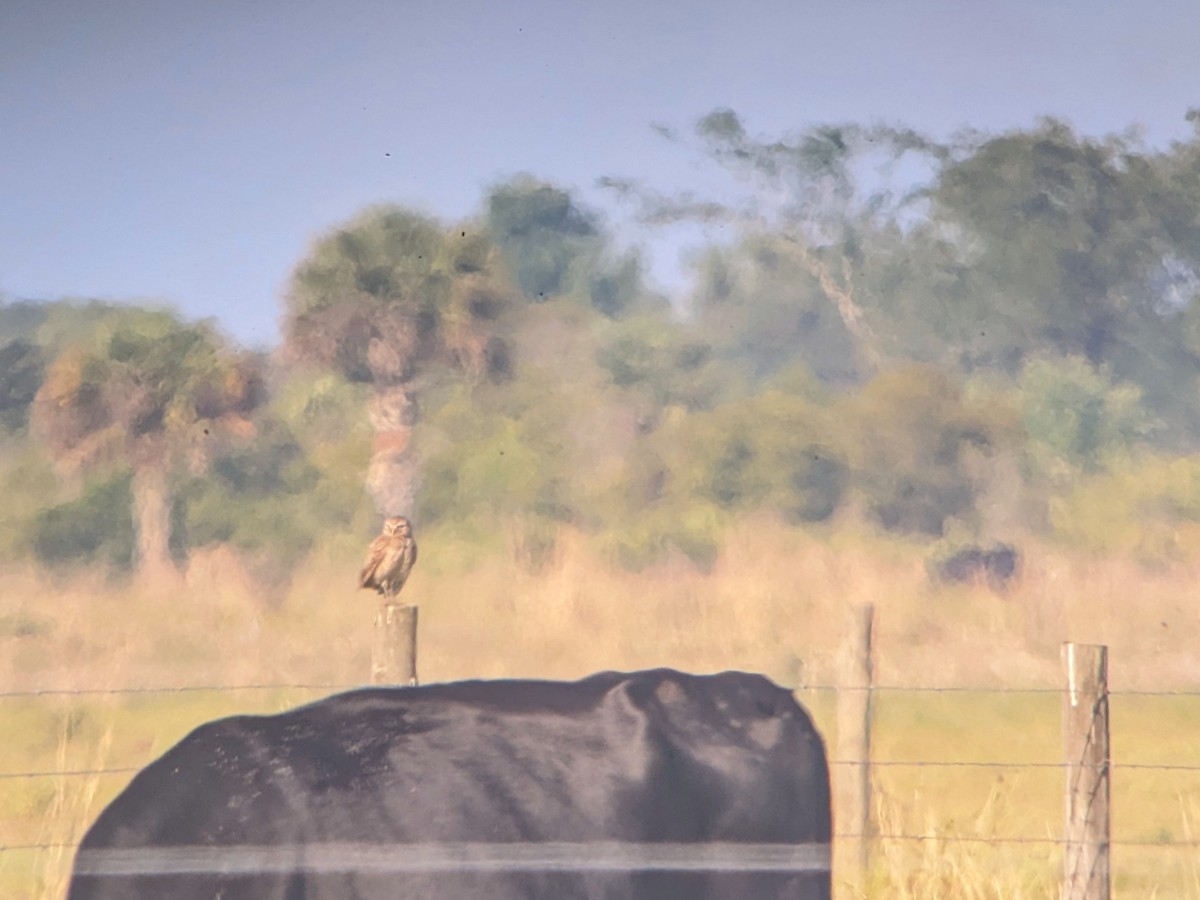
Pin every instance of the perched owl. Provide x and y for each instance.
(390, 558)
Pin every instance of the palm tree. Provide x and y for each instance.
(389, 299)
(149, 391)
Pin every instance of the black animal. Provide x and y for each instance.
(996, 565)
(647, 785)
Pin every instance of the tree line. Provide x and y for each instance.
(973, 337)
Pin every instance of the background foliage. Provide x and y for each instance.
(861, 350)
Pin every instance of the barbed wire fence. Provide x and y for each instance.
(840, 762)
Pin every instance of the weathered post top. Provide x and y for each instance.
(394, 657)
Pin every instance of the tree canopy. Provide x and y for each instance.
(887, 327)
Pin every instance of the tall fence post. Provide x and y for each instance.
(853, 774)
(394, 656)
(1086, 873)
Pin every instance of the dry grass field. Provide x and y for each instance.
(775, 602)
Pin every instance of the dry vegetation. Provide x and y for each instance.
(774, 603)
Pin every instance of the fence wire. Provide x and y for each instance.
(724, 852)
(875, 763)
(175, 689)
(556, 852)
(800, 688)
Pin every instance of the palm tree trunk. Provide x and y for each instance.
(395, 466)
(152, 521)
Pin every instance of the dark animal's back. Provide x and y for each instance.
(650, 757)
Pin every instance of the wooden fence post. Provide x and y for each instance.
(394, 657)
(853, 774)
(1086, 873)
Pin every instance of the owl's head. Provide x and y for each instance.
(397, 525)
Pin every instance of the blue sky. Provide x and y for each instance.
(189, 152)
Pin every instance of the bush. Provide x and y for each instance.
(22, 365)
(499, 463)
(26, 481)
(771, 451)
(96, 528)
(266, 497)
(906, 433)
(658, 358)
(1077, 417)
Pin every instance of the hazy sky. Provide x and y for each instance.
(190, 151)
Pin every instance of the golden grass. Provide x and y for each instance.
(948, 862)
(775, 602)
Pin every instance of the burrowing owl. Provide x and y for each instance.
(390, 558)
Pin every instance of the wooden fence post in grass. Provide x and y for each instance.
(394, 656)
(1085, 734)
(852, 777)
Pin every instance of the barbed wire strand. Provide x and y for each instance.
(177, 689)
(877, 763)
(801, 688)
(72, 773)
(921, 838)
(953, 689)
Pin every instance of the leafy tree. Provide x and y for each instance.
(808, 212)
(321, 409)
(613, 287)
(684, 481)
(906, 433)
(264, 496)
(21, 320)
(1068, 231)
(392, 300)
(772, 450)
(94, 528)
(322, 412)
(22, 365)
(970, 254)
(761, 307)
(33, 333)
(665, 361)
(510, 461)
(555, 248)
(542, 234)
(1076, 415)
(152, 392)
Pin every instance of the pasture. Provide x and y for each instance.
(949, 826)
